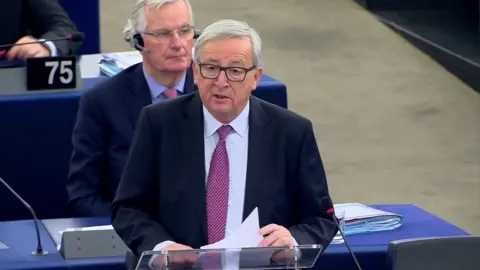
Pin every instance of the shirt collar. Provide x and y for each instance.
(156, 88)
(239, 124)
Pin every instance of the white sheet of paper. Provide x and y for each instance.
(247, 235)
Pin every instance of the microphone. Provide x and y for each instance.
(330, 211)
(140, 47)
(39, 251)
(77, 36)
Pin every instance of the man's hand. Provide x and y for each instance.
(27, 51)
(275, 235)
(176, 258)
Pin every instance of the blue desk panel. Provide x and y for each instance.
(35, 146)
(370, 249)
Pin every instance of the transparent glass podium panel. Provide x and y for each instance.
(298, 257)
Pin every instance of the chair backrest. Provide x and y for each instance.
(443, 253)
(86, 16)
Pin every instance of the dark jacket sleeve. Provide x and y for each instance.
(88, 161)
(136, 201)
(48, 20)
(316, 226)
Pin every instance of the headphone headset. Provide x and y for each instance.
(137, 43)
(136, 40)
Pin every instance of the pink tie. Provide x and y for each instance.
(170, 93)
(217, 188)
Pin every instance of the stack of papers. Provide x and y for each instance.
(360, 219)
(112, 63)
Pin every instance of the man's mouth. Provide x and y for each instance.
(220, 96)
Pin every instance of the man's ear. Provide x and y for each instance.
(257, 76)
(196, 72)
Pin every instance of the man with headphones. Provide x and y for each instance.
(163, 32)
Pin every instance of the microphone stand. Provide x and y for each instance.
(39, 251)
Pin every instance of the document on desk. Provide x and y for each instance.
(245, 236)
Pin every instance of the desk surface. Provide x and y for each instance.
(371, 248)
(417, 223)
(19, 236)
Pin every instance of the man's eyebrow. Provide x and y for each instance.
(236, 62)
(211, 61)
(168, 30)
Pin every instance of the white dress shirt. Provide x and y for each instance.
(237, 149)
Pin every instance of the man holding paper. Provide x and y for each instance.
(200, 164)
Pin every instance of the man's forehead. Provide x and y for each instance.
(229, 45)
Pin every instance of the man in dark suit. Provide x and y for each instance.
(32, 20)
(108, 113)
(200, 164)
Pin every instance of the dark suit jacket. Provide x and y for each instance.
(39, 18)
(101, 138)
(161, 195)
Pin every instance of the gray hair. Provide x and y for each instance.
(137, 23)
(227, 29)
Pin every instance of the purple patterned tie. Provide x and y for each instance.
(217, 188)
(170, 93)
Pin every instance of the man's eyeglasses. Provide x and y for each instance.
(164, 35)
(234, 74)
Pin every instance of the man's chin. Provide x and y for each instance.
(175, 69)
(178, 66)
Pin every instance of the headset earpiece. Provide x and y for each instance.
(137, 41)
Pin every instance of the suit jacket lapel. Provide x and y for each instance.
(189, 84)
(139, 94)
(259, 147)
(193, 154)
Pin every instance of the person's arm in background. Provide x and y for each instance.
(88, 161)
(46, 19)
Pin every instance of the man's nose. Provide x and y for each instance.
(175, 41)
(221, 80)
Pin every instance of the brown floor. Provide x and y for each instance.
(393, 126)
